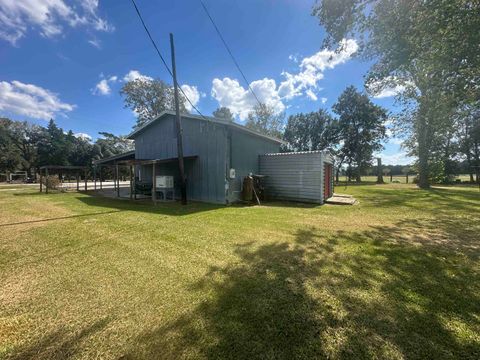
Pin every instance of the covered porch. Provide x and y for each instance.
(153, 179)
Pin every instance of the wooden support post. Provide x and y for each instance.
(95, 177)
(131, 181)
(118, 181)
(41, 180)
(407, 178)
(154, 184)
(78, 181)
(135, 182)
(86, 185)
(46, 180)
(100, 168)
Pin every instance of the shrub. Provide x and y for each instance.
(51, 182)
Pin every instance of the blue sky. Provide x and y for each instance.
(68, 59)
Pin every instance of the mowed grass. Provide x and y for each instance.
(395, 277)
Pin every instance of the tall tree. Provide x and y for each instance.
(361, 129)
(266, 120)
(223, 113)
(10, 156)
(53, 147)
(110, 144)
(148, 98)
(429, 47)
(310, 131)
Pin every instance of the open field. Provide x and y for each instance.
(397, 276)
(398, 178)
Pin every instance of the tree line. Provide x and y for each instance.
(26, 147)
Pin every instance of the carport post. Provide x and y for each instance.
(130, 175)
(118, 180)
(78, 181)
(154, 184)
(100, 169)
(46, 180)
(95, 177)
(86, 186)
(134, 182)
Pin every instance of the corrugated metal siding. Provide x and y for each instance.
(245, 150)
(294, 176)
(208, 140)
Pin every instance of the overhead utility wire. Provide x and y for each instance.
(229, 51)
(163, 60)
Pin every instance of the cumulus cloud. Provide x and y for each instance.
(103, 86)
(323, 100)
(312, 68)
(399, 158)
(388, 87)
(48, 16)
(229, 93)
(31, 100)
(83, 136)
(134, 75)
(193, 94)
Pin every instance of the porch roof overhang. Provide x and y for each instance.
(154, 161)
(115, 159)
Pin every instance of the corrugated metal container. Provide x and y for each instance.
(298, 176)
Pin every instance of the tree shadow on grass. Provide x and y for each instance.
(173, 208)
(59, 344)
(369, 294)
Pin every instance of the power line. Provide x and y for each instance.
(162, 58)
(229, 51)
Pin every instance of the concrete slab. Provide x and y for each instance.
(341, 200)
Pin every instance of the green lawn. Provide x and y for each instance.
(396, 277)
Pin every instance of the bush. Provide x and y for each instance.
(51, 182)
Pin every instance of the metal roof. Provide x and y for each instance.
(124, 156)
(204, 118)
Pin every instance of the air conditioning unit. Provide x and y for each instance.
(164, 182)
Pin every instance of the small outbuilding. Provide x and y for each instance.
(298, 176)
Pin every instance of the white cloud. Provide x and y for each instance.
(312, 68)
(31, 100)
(95, 43)
(103, 86)
(193, 94)
(48, 16)
(83, 136)
(135, 74)
(388, 87)
(229, 93)
(400, 158)
(311, 95)
(323, 100)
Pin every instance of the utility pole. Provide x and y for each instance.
(183, 185)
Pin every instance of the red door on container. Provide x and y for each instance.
(327, 184)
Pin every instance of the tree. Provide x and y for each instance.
(428, 47)
(148, 98)
(311, 131)
(223, 113)
(266, 120)
(361, 129)
(53, 147)
(10, 157)
(109, 145)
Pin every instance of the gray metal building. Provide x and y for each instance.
(298, 176)
(219, 154)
